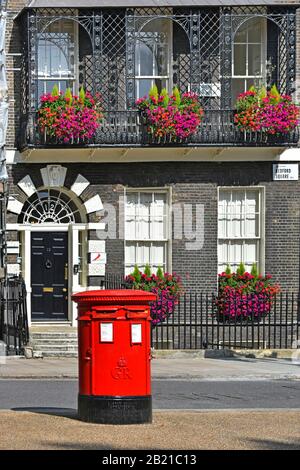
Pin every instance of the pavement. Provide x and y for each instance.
(35, 426)
(237, 430)
(170, 367)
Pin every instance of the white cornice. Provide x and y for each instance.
(151, 154)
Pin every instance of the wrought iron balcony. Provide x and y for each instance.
(126, 129)
(120, 53)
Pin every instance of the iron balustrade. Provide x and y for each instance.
(195, 323)
(201, 56)
(14, 332)
(127, 129)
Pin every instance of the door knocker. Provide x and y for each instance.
(48, 264)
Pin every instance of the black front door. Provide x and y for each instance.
(49, 275)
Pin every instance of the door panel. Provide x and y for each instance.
(49, 275)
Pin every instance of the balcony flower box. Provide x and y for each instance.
(167, 287)
(268, 114)
(244, 297)
(170, 118)
(67, 118)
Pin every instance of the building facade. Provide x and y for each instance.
(77, 212)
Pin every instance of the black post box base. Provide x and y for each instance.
(115, 410)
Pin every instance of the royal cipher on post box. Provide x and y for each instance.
(114, 353)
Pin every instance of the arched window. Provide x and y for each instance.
(249, 56)
(153, 52)
(51, 206)
(57, 56)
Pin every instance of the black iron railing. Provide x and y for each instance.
(14, 332)
(126, 129)
(195, 323)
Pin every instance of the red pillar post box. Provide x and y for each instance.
(114, 353)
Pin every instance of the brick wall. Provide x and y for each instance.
(196, 183)
(14, 56)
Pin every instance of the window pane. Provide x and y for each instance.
(141, 254)
(158, 256)
(162, 55)
(241, 34)
(56, 50)
(239, 59)
(238, 86)
(252, 215)
(158, 216)
(46, 86)
(143, 59)
(255, 60)
(144, 216)
(250, 254)
(255, 30)
(142, 87)
(130, 216)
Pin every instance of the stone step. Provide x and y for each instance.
(52, 353)
(52, 343)
(38, 341)
(61, 347)
(52, 334)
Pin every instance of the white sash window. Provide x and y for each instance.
(249, 56)
(56, 56)
(153, 57)
(146, 230)
(240, 228)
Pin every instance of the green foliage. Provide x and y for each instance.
(275, 93)
(55, 91)
(82, 94)
(69, 96)
(159, 273)
(137, 274)
(254, 270)
(166, 97)
(228, 269)
(153, 92)
(147, 270)
(177, 96)
(241, 269)
(262, 93)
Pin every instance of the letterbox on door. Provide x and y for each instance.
(114, 353)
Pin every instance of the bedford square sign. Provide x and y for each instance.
(285, 171)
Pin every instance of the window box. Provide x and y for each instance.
(67, 118)
(170, 118)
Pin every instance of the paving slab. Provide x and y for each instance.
(169, 430)
(189, 368)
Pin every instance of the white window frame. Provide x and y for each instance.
(168, 78)
(168, 239)
(263, 45)
(262, 211)
(56, 79)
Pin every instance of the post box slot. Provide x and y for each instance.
(105, 308)
(106, 332)
(137, 314)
